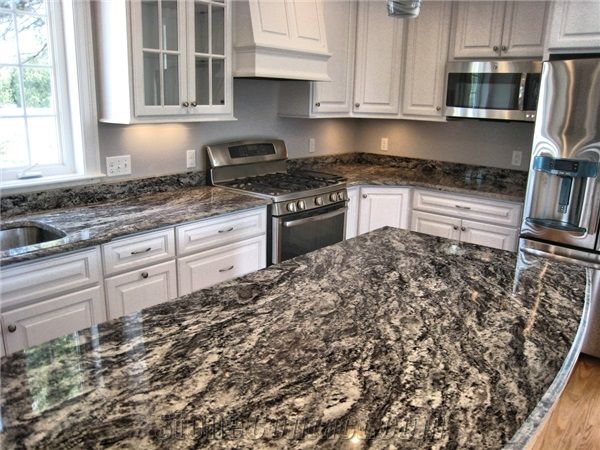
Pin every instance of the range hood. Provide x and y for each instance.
(283, 39)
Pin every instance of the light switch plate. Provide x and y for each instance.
(384, 144)
(118, 165)
(517, 157)
(191, 159)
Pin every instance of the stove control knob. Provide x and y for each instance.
(301, 205)
(340, 196)
(318, 201)
(333, 197)
(291, 207)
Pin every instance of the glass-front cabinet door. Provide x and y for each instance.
(181, 57)
(209, 56)
(159, 57)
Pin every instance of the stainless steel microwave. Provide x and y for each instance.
(500, 90)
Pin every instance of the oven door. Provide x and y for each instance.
(303, 232)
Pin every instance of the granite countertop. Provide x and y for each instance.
(98, 223)
(371, 169)
(389, 339)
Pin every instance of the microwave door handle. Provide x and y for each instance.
(521, 99)
(316, 218)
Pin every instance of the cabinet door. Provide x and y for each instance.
(352, 213)
(575, 24)
(426, 56)
(214, 266)
(478, 29)
(378, 60)
(524, 32)
(159, 57)
(335, 96)
(209, 57)
(489, 235)
(435, 225)
(380, 207)
(47, 320)
(140, 289)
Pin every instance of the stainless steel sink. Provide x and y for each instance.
(24, 234)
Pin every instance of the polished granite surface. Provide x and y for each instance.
(101, 222)
(373, 169)
(390, 340)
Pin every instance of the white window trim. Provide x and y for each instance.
(79, 51)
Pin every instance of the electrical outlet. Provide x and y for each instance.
(517, 157)
(191, 159)
(384, 144)
(118, 165)
(311, 145)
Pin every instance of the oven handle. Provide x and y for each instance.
(294, 223)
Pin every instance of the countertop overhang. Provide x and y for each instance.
(389, 338)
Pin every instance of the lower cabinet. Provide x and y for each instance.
(383, 206)
(352, 213)
(210, 267)
(45, 320)
(140, 289)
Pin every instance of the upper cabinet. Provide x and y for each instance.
(575, 25)
(175, 64)
(424, 80)
(490, 29)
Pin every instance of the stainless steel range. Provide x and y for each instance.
(308, 209)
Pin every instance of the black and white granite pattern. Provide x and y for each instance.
(374, 169)
(390, 340)
(98, 223)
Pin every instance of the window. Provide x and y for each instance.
(40, 91)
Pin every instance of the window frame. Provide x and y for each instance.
(70, 26)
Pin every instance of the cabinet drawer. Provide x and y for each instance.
(138, 251)
(489, 235)
(224, 263)
(463, 206)
(140, 289)
(435, 225)
(210, 233)
(49, 277)
(47, 320)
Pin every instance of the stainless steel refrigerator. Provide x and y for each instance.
(561, 217)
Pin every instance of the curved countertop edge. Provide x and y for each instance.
(438, 188)
(524, 436)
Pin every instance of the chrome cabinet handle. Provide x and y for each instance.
(455, 227)
(144, 275)
(504, 48)
(495, 48)
(227, 230)
(318, 104)
(226, 270)
(12, 328)
(185, 104)
(364, 195)
(438, 108)
(463, 229)
(137, 252)
(194, 104)
(357, 105)
(462, 207)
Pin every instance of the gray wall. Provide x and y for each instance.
(466, 141)
(161, 149)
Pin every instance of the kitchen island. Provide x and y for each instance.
(392, 338)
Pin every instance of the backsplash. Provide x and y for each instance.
(14, 204)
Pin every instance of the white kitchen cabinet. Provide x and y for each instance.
(140, 289)
(489, 235)
(2, 351)
(383, 206)
(379, 57)
(424, 80)
(327, 98)
(491, 29)
(205, 269)
(352, 213)
(164, 60)
(574, 25)
(435, 225)
(45, 320)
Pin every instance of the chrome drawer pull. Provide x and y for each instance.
(462, 207)
(227, 230)
(137, 252)
(12, 328)
(226, 270)
(144, 275)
